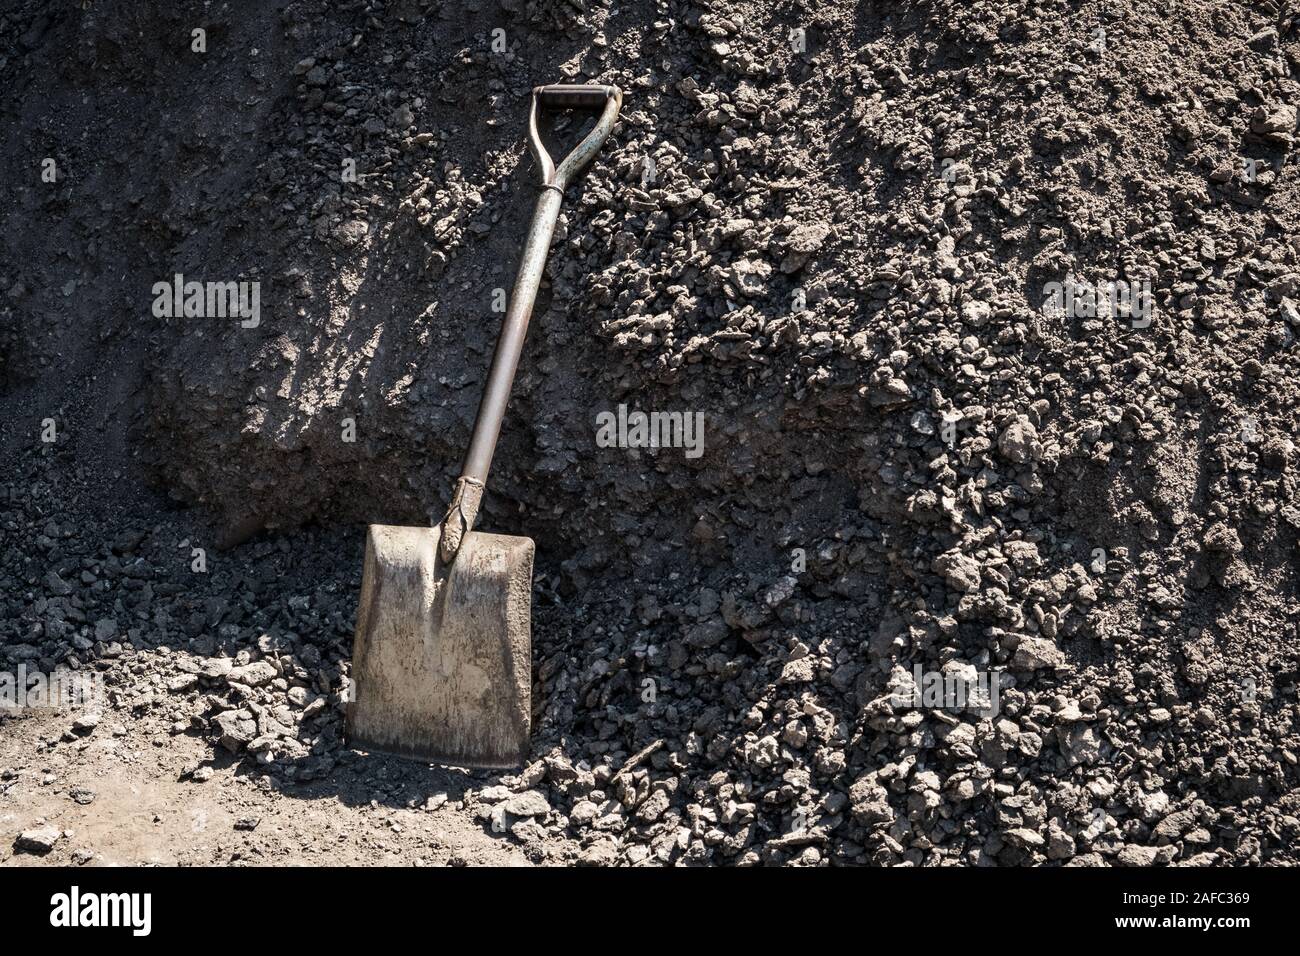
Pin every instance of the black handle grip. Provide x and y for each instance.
(573, 96)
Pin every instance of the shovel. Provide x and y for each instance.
(442, 659)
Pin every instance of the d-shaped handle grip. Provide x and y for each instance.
(572, 96)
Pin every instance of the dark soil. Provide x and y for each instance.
(833, 229)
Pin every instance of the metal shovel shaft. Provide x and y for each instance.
(505, 361)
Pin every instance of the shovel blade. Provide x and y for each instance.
(442, 659)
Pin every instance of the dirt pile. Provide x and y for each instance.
(990, 311)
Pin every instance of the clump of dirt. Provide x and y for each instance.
(989, 309)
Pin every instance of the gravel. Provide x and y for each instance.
(844, 259)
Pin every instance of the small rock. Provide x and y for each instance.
(604, 853)
(256, 674)
(1133, 855)
(583, 812)
(533, 774)
(217, 668)
(961, 571)
(39, 841)
(1019, 441)
(528, 831)
(236, 729)
(653, 807)
(56, 585)
(1024, 837)
(1274, 122)
(976, 313)
(530, 803)
(86, 723)
(1035, 652)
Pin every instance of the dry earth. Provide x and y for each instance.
(834, 230)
